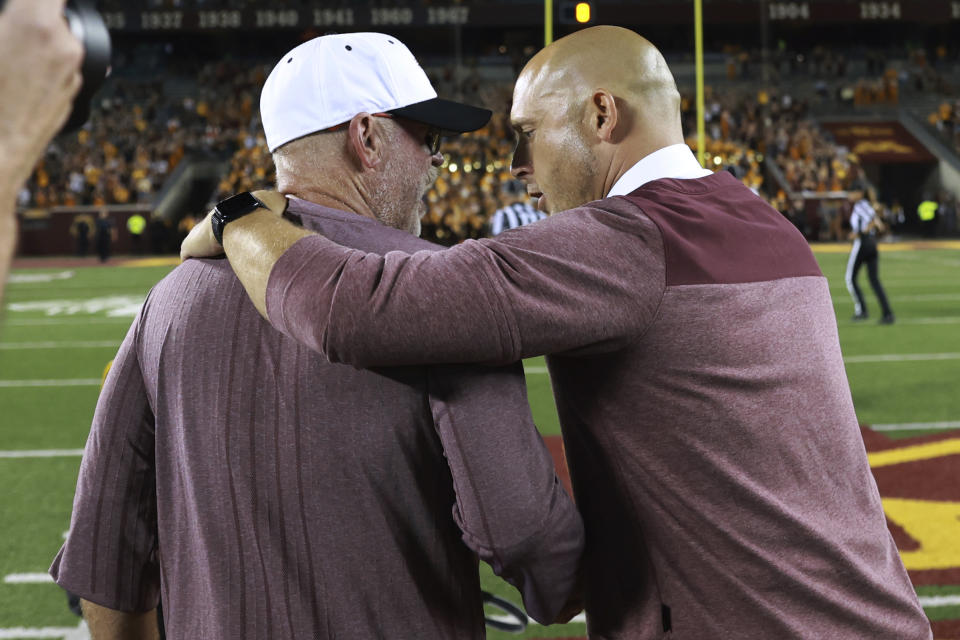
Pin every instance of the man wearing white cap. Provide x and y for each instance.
(267, 493)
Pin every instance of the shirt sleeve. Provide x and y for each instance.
(511, 507)
(110, 556)
(585, 279)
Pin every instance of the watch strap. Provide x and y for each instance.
(231, 209)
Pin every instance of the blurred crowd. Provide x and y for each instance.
(139, 134)
(137, 139)
(142, 130)
(743, 128)
(767, 140)
(946, 121)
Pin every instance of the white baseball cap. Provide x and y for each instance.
(328, 80)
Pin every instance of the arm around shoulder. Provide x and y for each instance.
(586, 279)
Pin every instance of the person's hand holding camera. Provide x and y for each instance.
(39, 76)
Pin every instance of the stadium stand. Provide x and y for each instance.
(158, 114)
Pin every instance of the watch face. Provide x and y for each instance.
(237, 205)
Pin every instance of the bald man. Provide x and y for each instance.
(691, 340)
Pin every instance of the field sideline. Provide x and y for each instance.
(63, 321)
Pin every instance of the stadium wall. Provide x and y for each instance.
(45, 232)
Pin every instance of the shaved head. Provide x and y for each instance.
(602, 98)
(613, 58)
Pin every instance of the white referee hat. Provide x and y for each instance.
(326, 81)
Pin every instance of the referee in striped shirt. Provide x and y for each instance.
(513, 216)
(865, 225)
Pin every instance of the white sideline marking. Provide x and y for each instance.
(113, 306)
(926, 602)
(47, 322)
(903, 255)
(939, 601)
(66, 382)
(901, 357)
(944, 320)
(886, 357)
(41, 453)
(894, 283)
(64, 344)
(916, 426)
(27, 578)
(582, 618)
(29, 278)
(930, 297)
(921, 297)
(80, 632)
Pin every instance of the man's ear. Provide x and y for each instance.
(366, 139)
(603, 114)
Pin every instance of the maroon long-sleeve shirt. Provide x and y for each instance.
(270, 494)
(709, 429)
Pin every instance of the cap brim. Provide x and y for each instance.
(447, 115)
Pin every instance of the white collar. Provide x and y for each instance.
(675, 161)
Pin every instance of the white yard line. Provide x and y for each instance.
(926, 602)
(61, 344)
(114, 306)
(41, 453)
(35, 278)
(48, 322)
(943, 320)
(901, 320)
(916, 426)
(901, 357)
(27, 578)
(928, 297)
(67, 382)
(909, 257)
(80, 632)
(582, 618)
(939, 601)
(883, 357)
(841, 296)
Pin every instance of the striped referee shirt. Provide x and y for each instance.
(861, 217)
(513, 216)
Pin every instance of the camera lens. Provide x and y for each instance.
(88, 27)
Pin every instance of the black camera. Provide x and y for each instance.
(88, 27)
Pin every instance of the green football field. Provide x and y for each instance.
(62, 325)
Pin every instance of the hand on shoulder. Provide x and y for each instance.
(201, 243)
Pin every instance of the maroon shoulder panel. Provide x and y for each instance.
(716, 231)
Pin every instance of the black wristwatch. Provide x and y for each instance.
(232, 208)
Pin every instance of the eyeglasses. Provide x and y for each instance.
(432, 138)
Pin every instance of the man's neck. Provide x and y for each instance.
(331, 200)
(627, 155)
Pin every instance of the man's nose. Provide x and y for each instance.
(520, 172)
(520, 166)
(436, 159)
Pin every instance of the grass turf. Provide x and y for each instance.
(45, 306)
